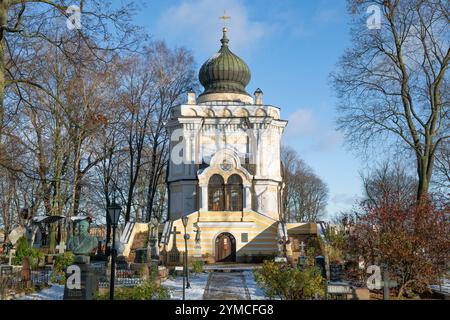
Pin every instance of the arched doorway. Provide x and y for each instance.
(225, 248)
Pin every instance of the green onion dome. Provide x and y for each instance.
(225, 72)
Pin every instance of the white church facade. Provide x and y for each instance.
(224, 172)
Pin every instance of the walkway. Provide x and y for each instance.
(229, 267)
(226, 286)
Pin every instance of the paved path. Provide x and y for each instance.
(231, 267)
(226, 286)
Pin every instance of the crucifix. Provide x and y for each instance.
(197, 235)
(174, 232)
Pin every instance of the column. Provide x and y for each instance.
(204, 196)
(248, 198)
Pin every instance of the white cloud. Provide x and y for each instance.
(197, 24)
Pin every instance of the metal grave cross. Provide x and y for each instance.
(174, 232)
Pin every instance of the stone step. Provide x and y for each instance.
(232, 267)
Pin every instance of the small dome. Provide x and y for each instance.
(225, 72)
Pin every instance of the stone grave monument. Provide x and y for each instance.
(81, 278)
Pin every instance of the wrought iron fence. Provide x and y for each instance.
(14, 281)
(123, 278)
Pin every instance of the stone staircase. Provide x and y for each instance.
(134, 236)
(139, 243)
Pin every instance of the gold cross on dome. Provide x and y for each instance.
(225, 18)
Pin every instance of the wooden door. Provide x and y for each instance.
(225, 248)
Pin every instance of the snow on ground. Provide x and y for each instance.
(198, 283)
(255, 291)
(175, 285)
(443, 288)
(55, 292)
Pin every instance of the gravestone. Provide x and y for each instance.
(121, 263)
(6, 270)
(336, 272)
(25, 273)
(81, 278)
(301, 263)
(140, 255)
(88, 283)
(320, 263)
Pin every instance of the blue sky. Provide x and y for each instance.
(291, 47)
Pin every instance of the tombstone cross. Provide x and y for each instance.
(61, 247)
(174, 232)
(302, 248)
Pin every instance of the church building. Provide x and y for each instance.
(224, 173)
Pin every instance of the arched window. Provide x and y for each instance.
(216, 193)
(234, 193)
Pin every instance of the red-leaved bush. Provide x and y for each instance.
(411, 237)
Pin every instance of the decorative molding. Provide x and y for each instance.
(226, 224)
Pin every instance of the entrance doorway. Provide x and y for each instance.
(225, 248)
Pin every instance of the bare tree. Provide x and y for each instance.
(8, 211)
(59, 139)
(151, 83)
(175, 74)
(389, 182)
(393, 82)
(138, 100)
(305, 195)
(26, 25)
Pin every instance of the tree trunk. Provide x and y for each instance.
(424, 171)
(76, 198)
(153, 183)
(3, 22)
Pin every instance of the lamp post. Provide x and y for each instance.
(185, 220)
(114, 215)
